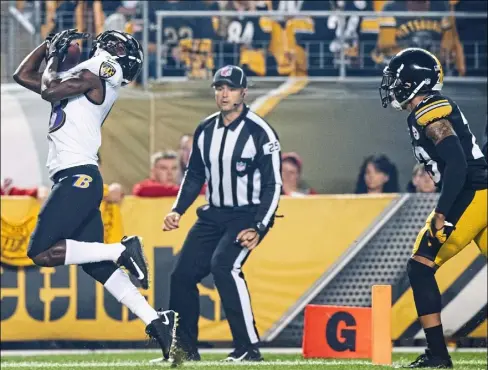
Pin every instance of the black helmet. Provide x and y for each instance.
(125, 49)
(411, 72)
(231, 75)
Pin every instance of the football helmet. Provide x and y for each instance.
(124, 48)
(411, 72)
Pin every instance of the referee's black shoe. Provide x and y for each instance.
(250, 353)
(428, 360)
(134, 260)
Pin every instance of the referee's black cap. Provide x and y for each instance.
(231, 75)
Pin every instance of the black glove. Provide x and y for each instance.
(60, 42)
(48, 42)
(49, 38)
(442, 234)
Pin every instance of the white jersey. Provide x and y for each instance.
(75, 126)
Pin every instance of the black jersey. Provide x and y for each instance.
(433, 108)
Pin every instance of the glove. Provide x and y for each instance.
(48, 42)
(50, 37)
(60, 42)
(442, 234)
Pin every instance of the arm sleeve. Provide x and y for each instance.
(452, 153)
(269, 164)
(194, 177)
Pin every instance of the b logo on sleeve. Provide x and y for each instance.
(107, 70)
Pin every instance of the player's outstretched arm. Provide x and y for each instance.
(27, 73)
(54, 89)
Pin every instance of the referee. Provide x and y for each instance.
(238, 154)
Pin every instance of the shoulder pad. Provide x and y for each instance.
(431, 109)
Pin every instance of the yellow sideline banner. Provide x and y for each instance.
(19, 216)
(64, 303)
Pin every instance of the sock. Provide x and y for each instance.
(78, 253)
(436, 342)
(120, 286)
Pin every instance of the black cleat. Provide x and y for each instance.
(428, 360)
(163, 330)
(189, 349)
(192, 356)
(134, 260)
(245, 354)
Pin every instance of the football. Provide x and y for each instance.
(72, 57)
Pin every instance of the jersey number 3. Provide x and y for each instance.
(58, 116)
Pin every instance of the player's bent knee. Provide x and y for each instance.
(40, 260)
(425, 290)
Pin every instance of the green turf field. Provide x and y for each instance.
(133, 361)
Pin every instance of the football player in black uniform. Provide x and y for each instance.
(443, 142)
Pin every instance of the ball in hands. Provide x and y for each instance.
(71, 58)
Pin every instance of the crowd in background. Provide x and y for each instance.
(292, 45)
(261, 44)
(377, 174)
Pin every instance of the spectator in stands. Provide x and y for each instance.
(118, 13)
(65, 15)
(432, 33)
(112, 193)
(163, 179)
(421, 181)
(175, 30)
(291, 172)
(250, 36)
(184, 151)
(7, 188)
(377, 175)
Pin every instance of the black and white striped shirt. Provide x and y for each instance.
(241, 163)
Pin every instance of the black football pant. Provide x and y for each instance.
(210, 248)
(72, 211)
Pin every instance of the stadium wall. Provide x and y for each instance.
(333, 126)
(315, 242)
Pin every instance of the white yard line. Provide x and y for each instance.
(296, 350)
(212, 364)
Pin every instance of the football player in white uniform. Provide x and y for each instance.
(69, 228)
